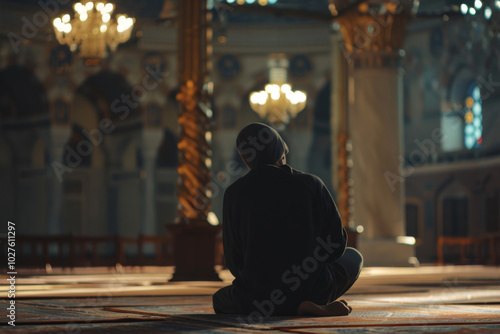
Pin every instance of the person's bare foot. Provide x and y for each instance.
(336, 308)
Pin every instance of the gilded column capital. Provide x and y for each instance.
(373, 30)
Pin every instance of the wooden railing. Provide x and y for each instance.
(467, 244)
(94, 251)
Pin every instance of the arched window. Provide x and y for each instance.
(473, 116)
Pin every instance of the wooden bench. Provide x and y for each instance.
(479, 242)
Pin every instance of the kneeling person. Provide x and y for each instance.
(283, 237)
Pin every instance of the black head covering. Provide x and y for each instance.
(260, 144)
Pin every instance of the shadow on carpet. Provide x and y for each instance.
(365, 314)
(27, 314)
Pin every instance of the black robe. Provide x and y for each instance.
(280, 229)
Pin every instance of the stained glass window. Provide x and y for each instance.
(473, 117)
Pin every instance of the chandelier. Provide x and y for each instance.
(278, 103)
(488, 10)
(93, 30)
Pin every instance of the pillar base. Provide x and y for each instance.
(194, 251)
(390, 252)
(352, 237)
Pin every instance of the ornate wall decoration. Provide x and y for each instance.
(156, 63)
(300, 66)
(228, 67)
(61, 59)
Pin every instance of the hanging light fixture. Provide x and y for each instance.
(93, 30)
(483, 11)
(278, 103)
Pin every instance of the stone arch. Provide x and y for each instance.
(105, 119)
(112, 96)
(22, 95)
(454, 208)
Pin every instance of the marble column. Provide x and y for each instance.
(373, 33)
(375, 130)
(114, 146)
(150, 141)
(55, 139)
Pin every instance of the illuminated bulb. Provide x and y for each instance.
(255, 97)
(263, 97)
(108, 8)
(83, 17)
(476, 93)
(104, 28)
(66, 18)
(286, 88)
(79, 7)
(487, 13)
(67, 28)
(57, 22)
(89, 5)
(106, 17)
(469, 129)
(464, 8)
(99, 6)
(301, 96)
(472, 11)
(478, 4)
(497, 3)
(121, 19)
(212, 219)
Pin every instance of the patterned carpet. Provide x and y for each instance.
(365, 313)
(396, 300)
